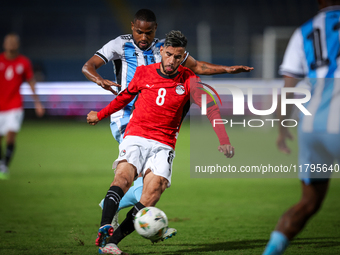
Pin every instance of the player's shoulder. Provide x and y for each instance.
(121, 39)
(23, 59)
(140, 70)
(319, 19)
(186, 71)
(143, 68)
(159, 42)
(19, 59)
(147, 71)
(307, 25)
(127, 37)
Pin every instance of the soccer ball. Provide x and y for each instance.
(151, 223)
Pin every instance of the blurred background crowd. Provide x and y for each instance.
(60, 36)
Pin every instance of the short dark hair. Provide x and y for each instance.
(145, 15)
(175, 39)
(13, 34)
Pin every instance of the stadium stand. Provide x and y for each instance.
(59, 36)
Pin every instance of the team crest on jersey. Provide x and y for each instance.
(122, 153)
(9, 73)
(19, 69)
(180, 90)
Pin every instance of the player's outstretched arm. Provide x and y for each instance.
(284, 133)
(115, 105)
(213, 113)
(39, 108)
(205, 68)
(90, 72)
(225, 147)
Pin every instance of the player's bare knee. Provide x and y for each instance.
(122, 181)
(10, 138)
(164, 184)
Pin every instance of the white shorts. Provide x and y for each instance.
(11, 120)
(147, 154)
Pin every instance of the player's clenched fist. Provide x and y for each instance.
(92, 118)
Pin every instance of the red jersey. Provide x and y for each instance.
(162, 103)
(12, 74)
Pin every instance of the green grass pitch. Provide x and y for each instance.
(62, 169)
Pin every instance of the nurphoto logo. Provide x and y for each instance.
(238, 98)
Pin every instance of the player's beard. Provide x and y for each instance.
(143, 45)
(169, 72)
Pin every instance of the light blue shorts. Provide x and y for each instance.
(318, 151)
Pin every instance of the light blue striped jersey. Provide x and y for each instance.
(129, 56)
(124, 49)
(313, 52)
(126, 57)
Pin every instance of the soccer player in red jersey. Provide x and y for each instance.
(14, 70)
(128, 51)
(164, 92)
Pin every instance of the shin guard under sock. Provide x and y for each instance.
(111, 203)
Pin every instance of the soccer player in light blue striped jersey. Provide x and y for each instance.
(132, 50)
(312, 53)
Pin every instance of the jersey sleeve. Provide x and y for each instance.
(112, 50)
(293, 61)
(197, 90)
(116, 104)
(124, 97)
(213, 112)
(28, 70)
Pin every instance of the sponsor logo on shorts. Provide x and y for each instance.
(171, 157)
